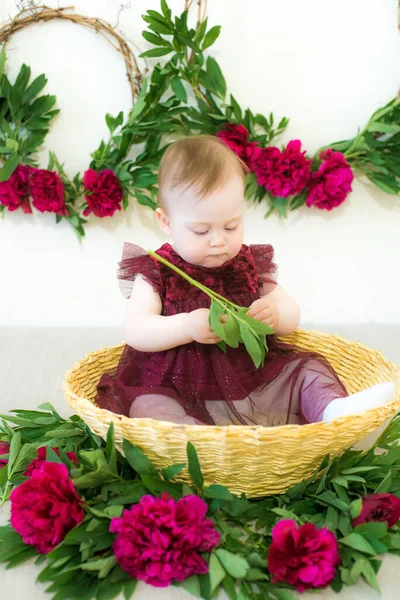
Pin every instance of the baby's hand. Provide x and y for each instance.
(265, 310)
(199, 327)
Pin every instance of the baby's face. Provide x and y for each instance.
(209, 231)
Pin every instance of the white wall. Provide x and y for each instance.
(327, 66)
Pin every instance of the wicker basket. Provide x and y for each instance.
(251, 459)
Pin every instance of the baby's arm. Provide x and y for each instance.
(277, 309)
(147, 330)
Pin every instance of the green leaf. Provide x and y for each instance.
(256, 326)
(355, 508)
(170, 472)
(218, 492)
(111, 452)
(166, 11)
(256, 575)
(235, 565)
(377, 529)
(232, 331)
(194, 466)
(108, 591)
(252, 344)
(281, 205)
(216, 76)
(102, 565)
(138, 460)
(358, 542)
(14, 450)
(129, 588)
(42, 105)
(155, 52)
(34, 88)
(52, 456)
(370, 576)
(3, 59)
(229, 587)
(216, 312)
(178, 89)
(255, 560)
(192, 585)
(216, 572)
(384, 127)
(157, 40)
(114, 122)
(358, 470)
(211, 36)
(9, 167)
(144, 200)
(330, 498)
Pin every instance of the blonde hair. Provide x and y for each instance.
(200, 161)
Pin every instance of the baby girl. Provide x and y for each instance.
(171, 368)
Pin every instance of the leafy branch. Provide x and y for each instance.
(228, 320)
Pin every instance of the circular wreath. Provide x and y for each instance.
(286, 177)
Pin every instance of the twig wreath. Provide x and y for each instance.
(286, 177)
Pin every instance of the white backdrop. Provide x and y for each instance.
(326, 66)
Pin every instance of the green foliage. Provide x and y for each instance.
(84, 566)
(163, 108)
(184, 94)
(230, 321)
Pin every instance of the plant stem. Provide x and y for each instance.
(201, 287)
(5, 493)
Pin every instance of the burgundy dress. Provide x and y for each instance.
(204, 384)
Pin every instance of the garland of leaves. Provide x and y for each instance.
(114, 519)
(286, 177)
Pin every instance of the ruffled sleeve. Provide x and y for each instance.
(267, 270)
(136, 261)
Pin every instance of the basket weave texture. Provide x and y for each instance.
(254, 460)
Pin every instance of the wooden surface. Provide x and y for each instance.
(32, 366)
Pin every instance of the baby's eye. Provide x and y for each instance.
(230, 228)
(200, 232)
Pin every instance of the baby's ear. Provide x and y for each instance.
(163, 221)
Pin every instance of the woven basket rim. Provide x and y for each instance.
(106, 415)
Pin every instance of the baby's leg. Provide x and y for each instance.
(370, 398)
(323, 397)
(162, 408)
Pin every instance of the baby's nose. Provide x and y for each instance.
(217, 239)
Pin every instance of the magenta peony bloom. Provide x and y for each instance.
(159, 540)
(48, 192)
(379, 507)
(45, 507)
(14, 193)
(107, 194)
(236, 138)
(283, 173)
(4, 449)
(36, 463)
(331, 183)
(305, 556)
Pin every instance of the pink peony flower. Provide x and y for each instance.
(36, 463)
(236, 138)
(305, 557)
(331, 183)
(48, 192)
(45, 507)
(159, 540)
(14, 193)
(283, 173)
(379, 507)
(4, 449)
(107, 194)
